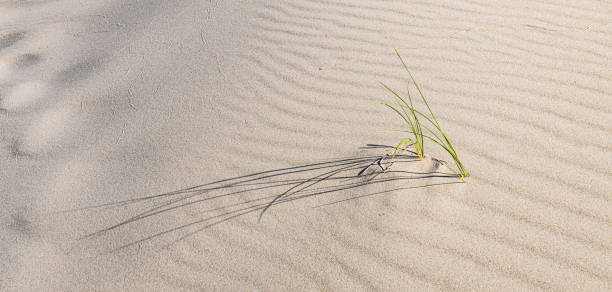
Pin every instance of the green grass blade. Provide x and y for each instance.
(415, 83)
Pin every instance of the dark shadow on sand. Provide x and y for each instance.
(257, 192)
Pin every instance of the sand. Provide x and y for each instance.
(222, 145)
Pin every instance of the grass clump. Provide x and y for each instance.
(419, 131)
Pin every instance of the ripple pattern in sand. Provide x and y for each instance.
(525, 93)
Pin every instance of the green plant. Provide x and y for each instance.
(413, 117)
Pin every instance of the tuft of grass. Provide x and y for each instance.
(408, 113)
(419, 131)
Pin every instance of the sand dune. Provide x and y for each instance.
(198, 145)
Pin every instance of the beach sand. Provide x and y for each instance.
(223, 145)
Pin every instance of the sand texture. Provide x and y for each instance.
(233, 145)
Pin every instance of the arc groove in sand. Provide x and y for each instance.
(305, 247)
(418, 275)
(475, 260)
(523, 219)
(235, 269)
(472, 21)
(294, 17)
(542, 77)
(558, 135)
(488, 263)
(578, 187)
(278, 90)
(551, 112)
(297, 267)
(295, 13)
(581, 60)
(265, 121)
(299, 32)
(586, 105)
(448, 282)
(341, 9)
(509, 43)
(523, 105)
(287, 113)
(295, 83)
(535, 64)
(506, 240)
(386, 261)
(593, 107)
(316, 78)
(513, 243)
(548, 5)
(475, 12)
(576, 142)
(510, 242)
(558, 205)
(536, 149)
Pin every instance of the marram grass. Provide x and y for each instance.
(419, 132)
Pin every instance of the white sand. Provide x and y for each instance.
(114, 102)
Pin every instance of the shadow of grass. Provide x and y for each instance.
(238, 196)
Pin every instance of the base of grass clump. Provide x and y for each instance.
(403, 162)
